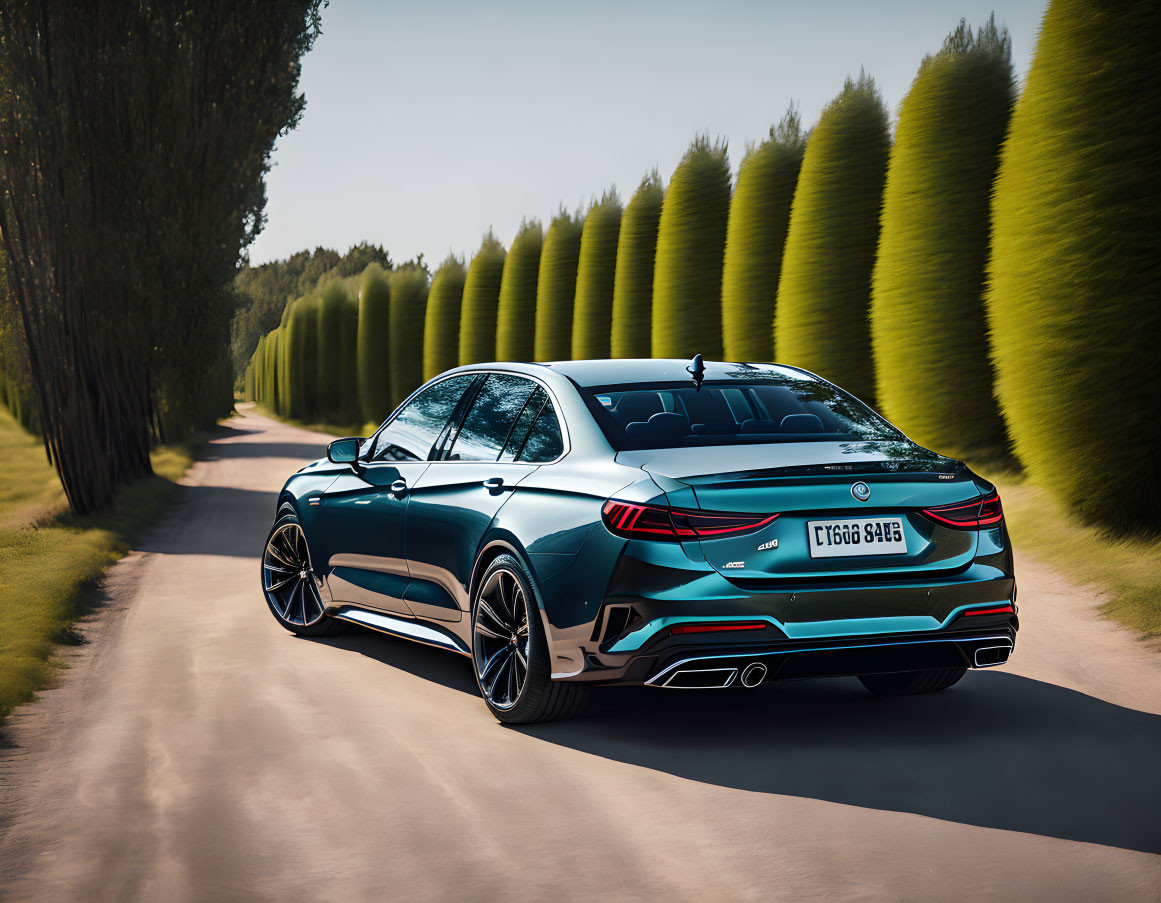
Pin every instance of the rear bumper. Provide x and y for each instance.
(722, 665)
(868, 655)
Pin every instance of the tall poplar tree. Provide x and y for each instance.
(596, 267)
(691, 241)
(516, 317)
(824, 292)
(480, 303)
(1072, 302)
(556, 288)
(759, 220)
(633, 283)
(933, 370)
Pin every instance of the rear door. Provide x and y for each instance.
(362, 513)
(510, 427)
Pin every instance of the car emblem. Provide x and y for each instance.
(861, 491)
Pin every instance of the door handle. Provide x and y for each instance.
(494, 484)
(399, 487)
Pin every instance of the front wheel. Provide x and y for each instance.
(908, 683)
(510, 652)
(289, 582)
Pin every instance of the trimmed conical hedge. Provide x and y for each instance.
(349, 409)
(300, 359)
(633, 286)
(759, 219)
(258, 371)
(373, 344)
(933, 375)
(1072, 304)
(481, 299)
(408, 307)
(248, 378)
(516, 317)
(691, 240)
(285, 378)
(331, 311)
(556, 289)
(272, 396)
(824, 291)
(285, 370)
(596, 266)
(441, 331)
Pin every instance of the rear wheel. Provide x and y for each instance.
(510, 652)
(289, 582)
(909, 683)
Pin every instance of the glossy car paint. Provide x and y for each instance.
(410, 538)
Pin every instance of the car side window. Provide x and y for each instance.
(544, 442)
(495, 409)
(519, 431)
(415, 429)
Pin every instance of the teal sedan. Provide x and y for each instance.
(680, 525)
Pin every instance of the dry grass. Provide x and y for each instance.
(1126, 571)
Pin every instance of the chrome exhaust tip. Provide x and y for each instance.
(753, 674)
(701, 678)
(988, 656)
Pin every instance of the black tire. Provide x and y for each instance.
(909, 683)
(496, 658)
(303, 611)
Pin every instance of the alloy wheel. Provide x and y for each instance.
(288, 577)
(502, 639)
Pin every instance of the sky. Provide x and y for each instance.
(428, 122)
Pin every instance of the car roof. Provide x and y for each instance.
(642, 370)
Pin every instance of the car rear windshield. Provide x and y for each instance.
(762, 409)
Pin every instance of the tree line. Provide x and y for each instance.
(135, 143)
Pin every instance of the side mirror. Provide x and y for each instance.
(344, 451)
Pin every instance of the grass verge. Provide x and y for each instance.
(50, 557)
(1125, 571)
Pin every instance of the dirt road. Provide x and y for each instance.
(195, 751)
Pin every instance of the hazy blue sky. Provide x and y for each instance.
(428, 122)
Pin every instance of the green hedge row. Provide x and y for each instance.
(989, 279)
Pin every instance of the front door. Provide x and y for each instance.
(457, 497)
(362, 513)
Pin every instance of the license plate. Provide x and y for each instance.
(870, 536)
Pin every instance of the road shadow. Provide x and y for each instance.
(212, 520)
(444, 668)
(298, 451)
(997, 750)
(230, 428)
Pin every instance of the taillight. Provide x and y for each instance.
(985, 511)
(635, 521)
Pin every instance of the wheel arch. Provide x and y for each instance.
(491, 548)
(286, 499)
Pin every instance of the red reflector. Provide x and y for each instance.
(675, 524)
(1002, 610)
(985, 511)
(715, 628)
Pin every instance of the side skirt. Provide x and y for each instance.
(404, 628)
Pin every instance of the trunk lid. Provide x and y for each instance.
(809, 485)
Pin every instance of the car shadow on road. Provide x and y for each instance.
(444, 668)
(997, 750)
